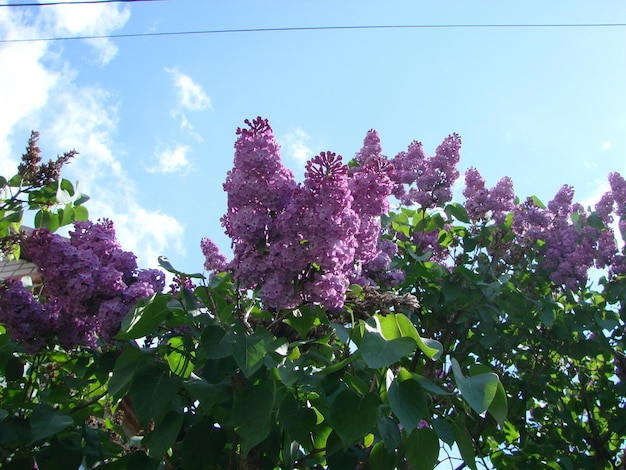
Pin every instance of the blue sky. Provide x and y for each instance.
(154, 118)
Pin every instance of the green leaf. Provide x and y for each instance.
(179, 357)
(302, 320)
(165, 264)
(379, 352)
(389, 432)
(12, 217)
(67, 186)
(202, 446)
(399, 325)
(165, 434)
(46, 422)
(457, 211)
(499, 408)
(466, 447)
(408, 402)
(537, 202)
(444, 430)
(249, 351)
(298, 421)
(216, 342)
(381, 458)
(126, 366)
(206, 393)
(429, 386)
(478, 390)
(81, 214)
(144, 317)
(50, 220)
(81, 199)
(352, 417)
(422, 449)
(67, 215)
(252, 413)
(150, 391)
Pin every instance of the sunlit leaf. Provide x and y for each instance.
(477, 390)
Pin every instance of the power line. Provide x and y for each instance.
(83, 2)
(316, 28)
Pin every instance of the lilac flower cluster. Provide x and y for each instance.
(89, 285)
(433, 177)
(213, 259)
(370, 185)
(571, 244)
(481, 202)
(302, 242)
(378, 271)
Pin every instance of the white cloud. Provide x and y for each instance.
(185, 125)
(296, 146)
(148, 234)
(21, 94)
(38, 90)
(191, 96)
(607, 145)
(170, 159)
(88, 20)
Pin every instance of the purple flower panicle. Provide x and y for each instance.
(89, 285)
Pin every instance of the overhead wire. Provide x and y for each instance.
(314, 28)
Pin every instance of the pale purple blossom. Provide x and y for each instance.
(432, 177)
(214, 261)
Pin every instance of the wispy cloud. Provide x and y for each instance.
(89, 20)
(39, 90)
(191, 96)
(607, 145)
(296, 146)
(170, 159)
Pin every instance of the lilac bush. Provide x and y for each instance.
(90, 283)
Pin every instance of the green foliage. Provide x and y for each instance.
(491, 359)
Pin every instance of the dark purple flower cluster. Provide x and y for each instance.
(89, 285)
(302, 242)
(432, 177)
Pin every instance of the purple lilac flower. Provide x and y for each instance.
(476, 194)
(408, 167)
(318, 228)
(371, 148)
(370, 188)
(90, 283)
(23, 316)
(213, 259)
(618, 189)
(434, 175)
(259, 188)
(179, 283)
(501, 198)
(497, 201)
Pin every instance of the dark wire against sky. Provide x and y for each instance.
(312, 28)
